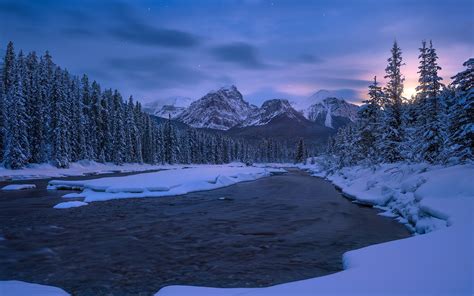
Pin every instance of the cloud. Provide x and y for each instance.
(148, 35)
(79, 32)
(153, 72)
(17, 8)
(307, 58)
(239, 53)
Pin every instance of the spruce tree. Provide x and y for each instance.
(461, 123)
(300, 149)
(17, 151)
(392, 137)
(429, 129)
(369, 120)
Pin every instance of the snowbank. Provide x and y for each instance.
(17, 288)
(80, 168)
(19, 186)
(436, 263)
(70, 204)
(163, 183)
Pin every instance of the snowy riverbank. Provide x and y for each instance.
(80, 168)
(435, 200)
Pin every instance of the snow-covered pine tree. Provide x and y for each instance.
(97, 133)
(34, 107)
(392, 131)
(105, 141)
(8, 79)
(369, 116)
(300, 149)
(461, 123)
(2, 118)
(87, 124)
(119, 138)
(46, 73)
(137, 113)
(78, 140)
(59, 121)
(17, 151)
(429, 130)
(7, 82)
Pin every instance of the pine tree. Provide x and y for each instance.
(429, 128)
(392, 136)
(59, 131)
(6, 85)
(46, 72)
(119, 141)
(34, 107)
(300, 149)
(461, 126)
(97, 134)
(17, 151)
(369, 117)
(87, 123)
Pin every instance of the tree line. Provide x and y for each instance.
(436, 125)
(48, 115)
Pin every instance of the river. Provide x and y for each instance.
(254, 234)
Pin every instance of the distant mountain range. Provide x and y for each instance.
(226, 110)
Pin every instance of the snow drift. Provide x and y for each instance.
(163, 183)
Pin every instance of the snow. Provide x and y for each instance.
(330, 107)
(328, 120)
(19, 186)
(70, 204)
(80, 168)
(435, 201)
(163, 183)
(18, 288)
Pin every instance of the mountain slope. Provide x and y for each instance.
(284, 128)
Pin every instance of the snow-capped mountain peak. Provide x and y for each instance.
(269, 110)
(221, 109)
(172, 106)
(331, 109)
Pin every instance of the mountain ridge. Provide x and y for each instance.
(226, 109)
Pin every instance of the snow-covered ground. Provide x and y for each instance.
(434, 200)
(162, 183)
(80, 168)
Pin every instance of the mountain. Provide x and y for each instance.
(332, 112)
(277, 119)
(221, 109)
(285, 127)
(320, 95)
(173, 106)
(226, 111)
(169, 111)
(269, 110)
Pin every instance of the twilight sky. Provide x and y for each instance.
(269, 49)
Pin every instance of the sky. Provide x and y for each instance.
(161, 49)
